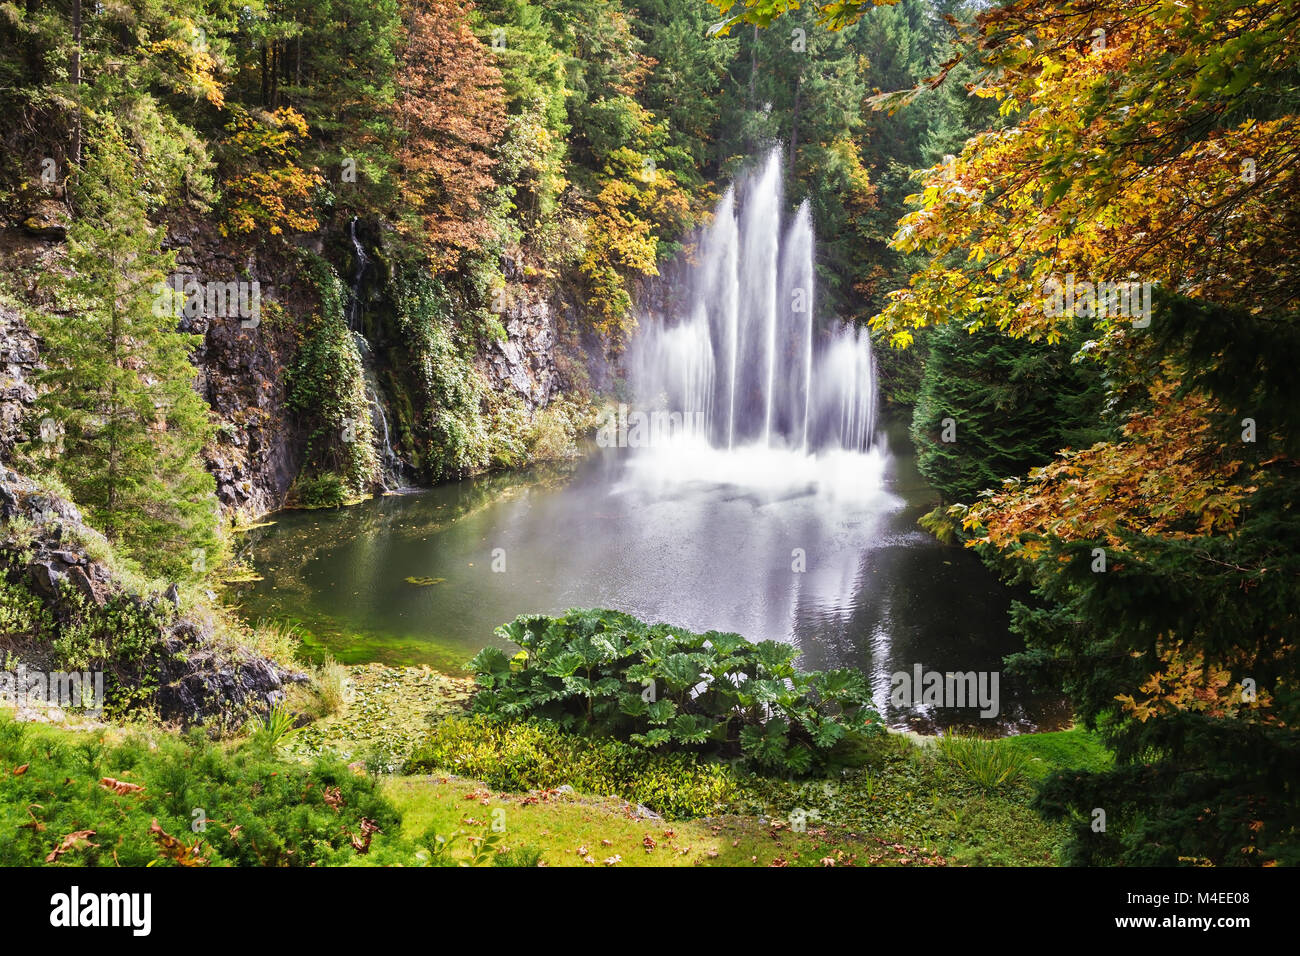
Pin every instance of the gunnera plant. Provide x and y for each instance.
(605, 673)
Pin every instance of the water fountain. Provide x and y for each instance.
(745, 359)
(767, 506)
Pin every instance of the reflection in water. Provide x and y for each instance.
(664, 537)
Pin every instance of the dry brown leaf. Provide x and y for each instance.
(73, 841)
(175, 849)
(120, 787)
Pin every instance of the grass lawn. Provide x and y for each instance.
(575, 830)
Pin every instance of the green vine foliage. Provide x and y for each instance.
(120, 637)
(327, 386)
(452, 438)
(605, 673)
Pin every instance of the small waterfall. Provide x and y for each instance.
(391, 466)
(358, 273)
(745, 356)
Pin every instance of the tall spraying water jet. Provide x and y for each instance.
(744, 355)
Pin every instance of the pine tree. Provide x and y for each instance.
(991, 407)
(119, 385)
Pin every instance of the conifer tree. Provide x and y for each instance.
(121, 423)
(1011, 406)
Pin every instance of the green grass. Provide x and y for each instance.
(556, 799)
(898, 801)
(912, 796)
(983, 762)
(1075, 749)
(562, 829)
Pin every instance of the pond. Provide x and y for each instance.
(821, 551)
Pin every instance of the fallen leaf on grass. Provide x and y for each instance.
(175, 849)
(120, 787)
(73, 841)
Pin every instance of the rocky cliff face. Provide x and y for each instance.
(47, 550)
(19, 355)
(242, 364)
(184, 672)
(525, 361)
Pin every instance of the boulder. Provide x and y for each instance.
(48, 220)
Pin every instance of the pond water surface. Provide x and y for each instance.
(824, 553)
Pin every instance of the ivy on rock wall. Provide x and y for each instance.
(327, 386)
(450, 433)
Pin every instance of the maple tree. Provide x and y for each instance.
(1156, 143)
(268, 188)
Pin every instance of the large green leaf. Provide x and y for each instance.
(652, 739)
(691, 728)
(490, 666)
(680, 671)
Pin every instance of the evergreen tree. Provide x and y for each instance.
(119, 385)
(1180, 645)
(992, 407)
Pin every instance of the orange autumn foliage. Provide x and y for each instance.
(451, 113)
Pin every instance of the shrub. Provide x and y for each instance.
(606, 673)
(119, 636)
(320, 491)
(140, 798)
(537, 755)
